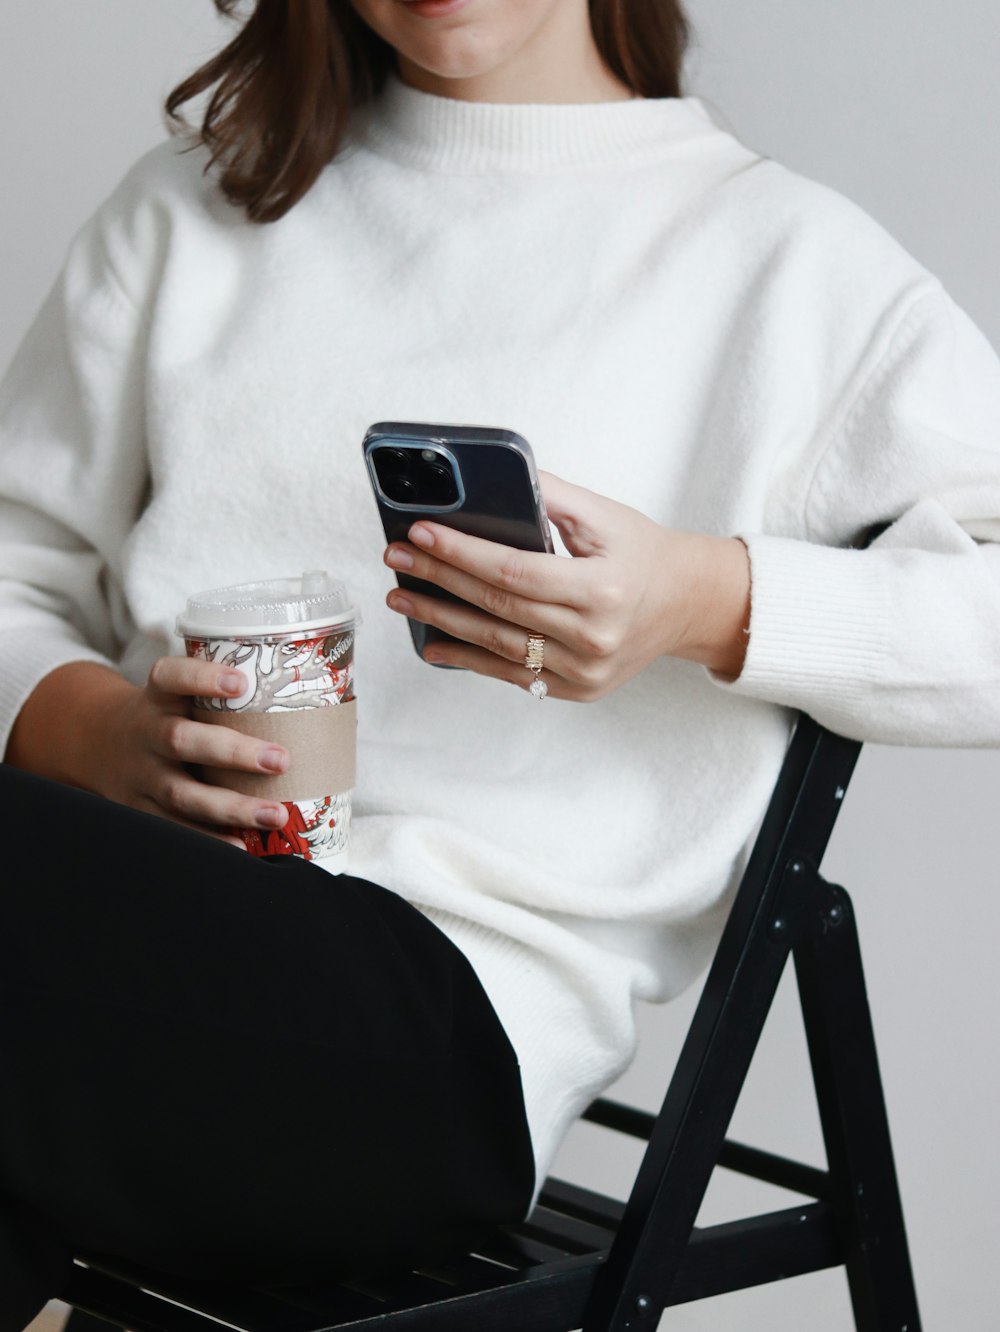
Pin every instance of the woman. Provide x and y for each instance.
(739, 377)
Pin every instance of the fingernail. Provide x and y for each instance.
(397, 558)
(421, 536)
(271, 816)
(397, 602)
(233, 682)
(432, 656)
(273, 759)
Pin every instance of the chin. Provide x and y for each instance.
(454, 71)
(445, 62)
(473, 44)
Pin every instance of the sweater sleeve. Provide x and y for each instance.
(72, 475)
(897, 642)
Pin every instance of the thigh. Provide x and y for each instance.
(225, 1066)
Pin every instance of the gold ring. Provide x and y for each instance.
(534, 659)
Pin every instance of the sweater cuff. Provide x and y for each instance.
(820, 618)
(27, 656)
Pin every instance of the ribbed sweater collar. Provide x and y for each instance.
(446, 134)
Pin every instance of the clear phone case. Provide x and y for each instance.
(495, 494)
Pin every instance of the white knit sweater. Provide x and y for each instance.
(671, 321)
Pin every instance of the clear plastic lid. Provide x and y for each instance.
(312, 600)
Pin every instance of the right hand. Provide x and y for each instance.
(87, 725)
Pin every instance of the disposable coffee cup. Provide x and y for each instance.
(293, 638)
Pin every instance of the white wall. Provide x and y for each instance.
(81, 83)
(896, 103)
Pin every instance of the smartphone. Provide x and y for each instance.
(474, 479)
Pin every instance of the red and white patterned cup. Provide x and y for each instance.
(293, 638)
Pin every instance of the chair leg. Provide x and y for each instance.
(634, 1285)
(853, 1115)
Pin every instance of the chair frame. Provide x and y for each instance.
(583, 1260)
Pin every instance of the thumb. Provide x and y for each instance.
(580, 515)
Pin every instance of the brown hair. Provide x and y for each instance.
(285, 86)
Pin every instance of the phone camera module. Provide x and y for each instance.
(416, 477)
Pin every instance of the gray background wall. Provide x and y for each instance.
(896, 103)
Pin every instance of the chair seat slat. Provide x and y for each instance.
(402, 1289)
(517, 1251)
(545, 1298)
(566, 1232)
(469, 1273)
(583, 1204)
(268, 1309)
(128, 1306)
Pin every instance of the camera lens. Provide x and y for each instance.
(437, 484)
(402, 489)
(395, 460)
(394, 471)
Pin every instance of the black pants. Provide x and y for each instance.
(231, 1068)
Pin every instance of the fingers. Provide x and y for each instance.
(186, 799)
(179, 738)
(574, 643)
(175, 736)
(451, 559)
(498, 649)
(498, 637)
(221, 835)
(181, 741)
(173, 741)
(471, 658)
(188, 677)
(498, 603)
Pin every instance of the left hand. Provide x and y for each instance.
(633, 592)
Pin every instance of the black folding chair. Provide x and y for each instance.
(583, 1260)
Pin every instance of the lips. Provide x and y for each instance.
(431, 9)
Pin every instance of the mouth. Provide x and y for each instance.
(432, 9)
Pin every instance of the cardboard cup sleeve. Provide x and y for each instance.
(322, 742)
